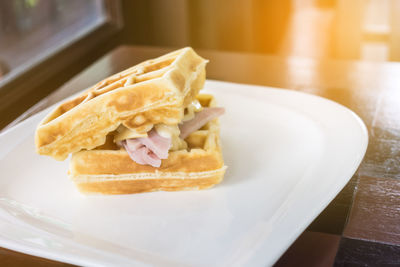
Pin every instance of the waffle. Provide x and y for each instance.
(152, 92)
(109, 169)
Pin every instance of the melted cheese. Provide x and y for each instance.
(126, 133)
(193, 107)
(167, 131)
(173, 132)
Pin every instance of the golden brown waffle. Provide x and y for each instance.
(110, 170)
(155, 91)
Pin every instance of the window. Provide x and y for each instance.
(32, 30)
(43, 43)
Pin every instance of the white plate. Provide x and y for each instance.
(288, 153)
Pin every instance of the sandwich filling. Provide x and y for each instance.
(152, 147)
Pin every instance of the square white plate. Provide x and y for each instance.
(288, 155)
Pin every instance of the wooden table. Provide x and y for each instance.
(362, 224)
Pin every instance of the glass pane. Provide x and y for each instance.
(31, 30)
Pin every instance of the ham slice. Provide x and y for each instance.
(151, 149)
(199, 120)
(156, 143)
(133, 144)
(148, 150)
(149, 157)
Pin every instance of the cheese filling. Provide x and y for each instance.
(126, 133)
(164, 130)
(162, 138)
(190, 110)
(173, 132)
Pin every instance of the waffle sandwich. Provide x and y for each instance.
(143, 129)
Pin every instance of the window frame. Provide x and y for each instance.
(20, 91)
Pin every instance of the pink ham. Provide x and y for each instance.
(149, 157)
(199, 120)
(156, 143)
(132, 147)
(149, 150)
(133, 144)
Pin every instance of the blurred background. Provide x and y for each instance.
(43, 43)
